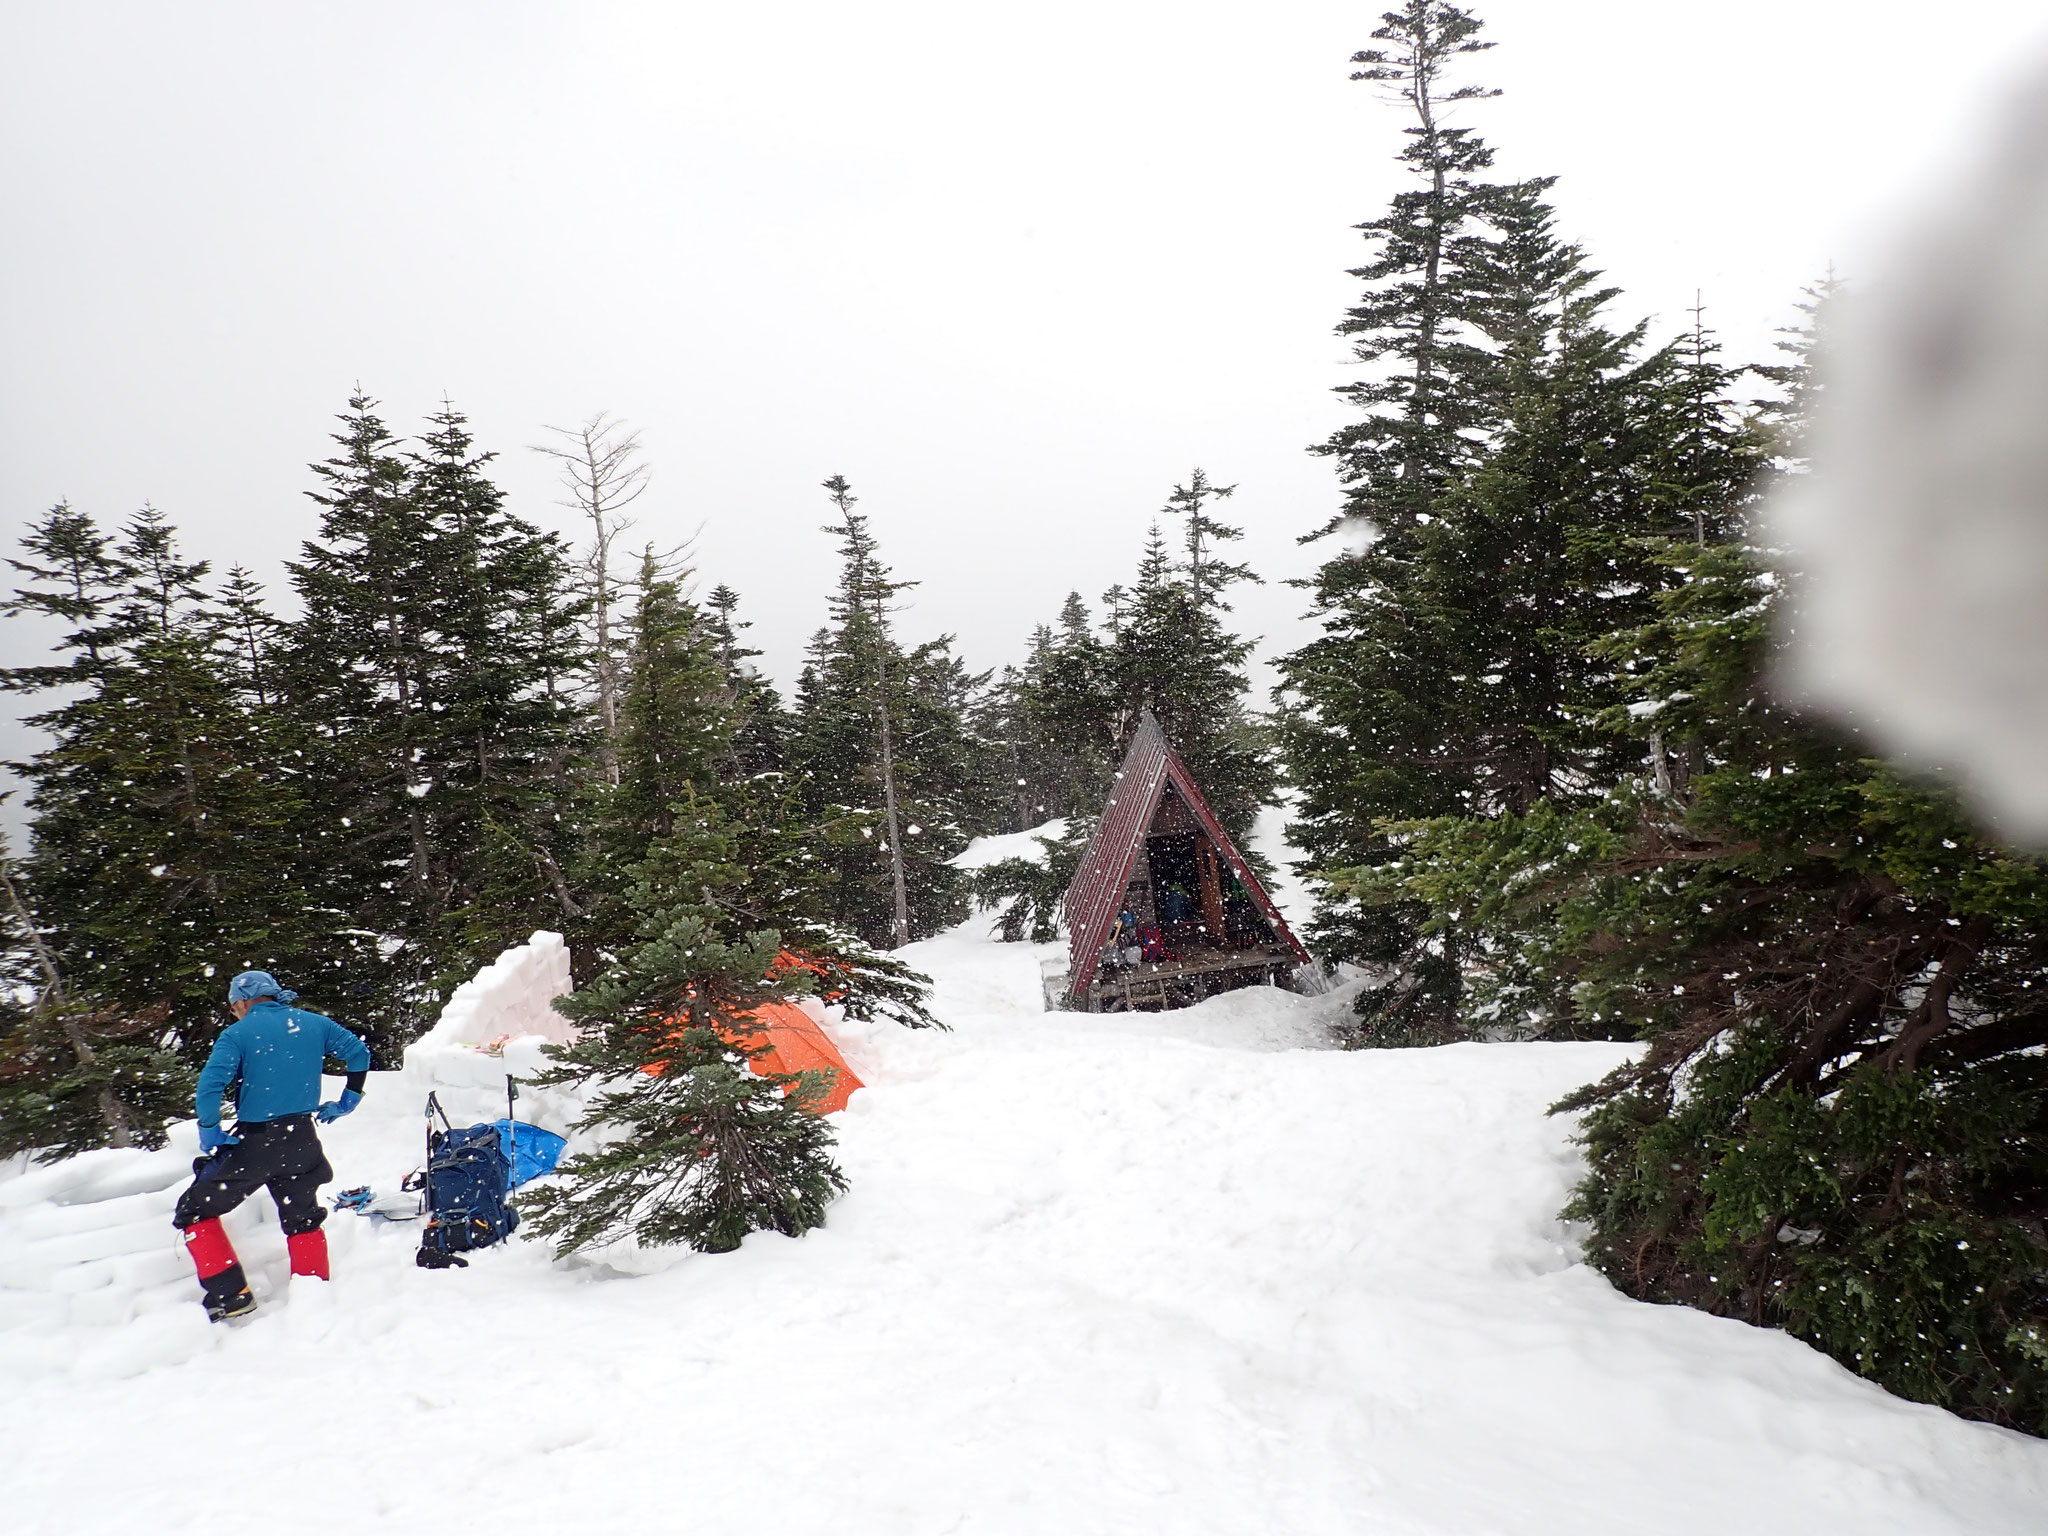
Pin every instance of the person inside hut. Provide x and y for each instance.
(1125, 938)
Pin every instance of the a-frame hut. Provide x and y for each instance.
(1164, 911)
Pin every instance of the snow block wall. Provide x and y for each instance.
(497, 1025)
(511, 997)
(93, 1276)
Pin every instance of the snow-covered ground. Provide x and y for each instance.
(1187, 1272)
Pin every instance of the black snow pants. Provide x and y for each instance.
(285, 1154)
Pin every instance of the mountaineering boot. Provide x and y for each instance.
(227, 1296)
(220, 1272)
(309, 1253)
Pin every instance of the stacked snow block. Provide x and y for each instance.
(510, 998)
(507, 1006)
(93, 1274)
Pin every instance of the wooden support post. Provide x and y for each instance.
(1207, 862)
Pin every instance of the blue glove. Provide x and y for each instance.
(334, 1109)
(212, 1138)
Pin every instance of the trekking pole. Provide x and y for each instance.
(511, 1128)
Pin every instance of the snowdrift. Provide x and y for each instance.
(1186, 1273)
(984, 851)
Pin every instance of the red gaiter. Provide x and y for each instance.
(309, 1253)
(208, 1244)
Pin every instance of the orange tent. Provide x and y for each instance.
(795, 1043)
(790, 1040)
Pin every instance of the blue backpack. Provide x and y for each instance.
(467, 1180)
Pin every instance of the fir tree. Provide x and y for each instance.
(1360, 731)
(1476, 684)
(164, 836)
(761, 726)
(1207, 574)
(865, 596)
(787, 880)
(1203, 691)
(676, 721)
(505, 730)
(954, 766)
(680, 718)
(1029, 895)
(676, 713)
(72, 575)
(1175, 656)
(1840, 1126)
(1070, 709)
(58, 1092)
(693, 1148)
(1840, 1123)
(74, 1076)
(1003, 720)
(358, 670)
(881, 749)
(162, 820)
(253, 635)
(1069, 714)
(1506, 488)
(1789, 411)
(433, 664)
(1167, 647)
(1423, 319)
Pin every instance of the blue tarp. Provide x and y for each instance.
(530, 1150)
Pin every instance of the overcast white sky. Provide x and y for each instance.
(1012, 271)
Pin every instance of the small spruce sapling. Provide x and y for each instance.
(695, 1148)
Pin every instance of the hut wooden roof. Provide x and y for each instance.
(1096, 895)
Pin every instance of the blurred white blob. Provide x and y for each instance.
(1357, 535)
(1921, 537)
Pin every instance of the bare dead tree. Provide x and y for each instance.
(604, 473)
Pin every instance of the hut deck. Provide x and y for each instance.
(1171, 983)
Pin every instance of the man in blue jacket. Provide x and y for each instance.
(270, 1060)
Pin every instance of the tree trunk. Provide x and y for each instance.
(899, 922)
(120, 1124)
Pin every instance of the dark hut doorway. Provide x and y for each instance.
(1188, 928)
(1189, 888)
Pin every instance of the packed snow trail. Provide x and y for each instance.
(1187, 1272)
